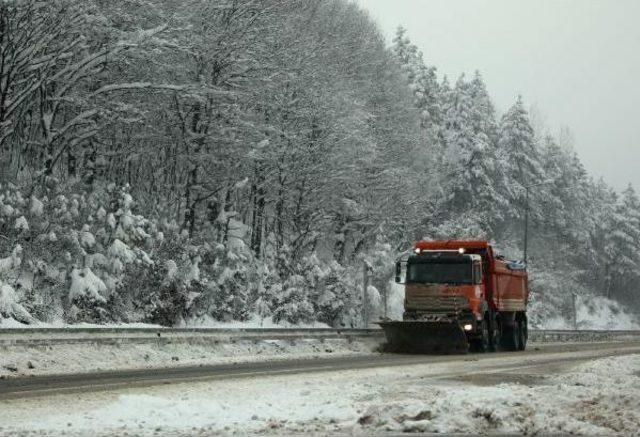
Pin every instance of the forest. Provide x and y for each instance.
(167, 161)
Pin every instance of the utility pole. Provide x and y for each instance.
(386, 292)
(526, 225)
(574, 297)
(366, 274)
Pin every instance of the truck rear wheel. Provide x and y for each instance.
(495, 339)
(523, 331)
(511, 337)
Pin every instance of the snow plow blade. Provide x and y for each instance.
(424, 337)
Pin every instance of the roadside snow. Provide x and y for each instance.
(601, 397)
(48, 359)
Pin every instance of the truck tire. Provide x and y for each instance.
(511, 337)
(524, 334)
(481, 344)
(495, 339)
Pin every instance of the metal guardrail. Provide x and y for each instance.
(549, 335)
(56, 336)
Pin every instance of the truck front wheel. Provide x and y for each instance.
(481, 344)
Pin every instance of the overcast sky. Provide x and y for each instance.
(576, 61)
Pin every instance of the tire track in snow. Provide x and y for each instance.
(504, 362)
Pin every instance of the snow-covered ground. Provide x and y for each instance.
(89, 357)
(601, 397)
(82, 357)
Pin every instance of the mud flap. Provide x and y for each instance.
(424, 337)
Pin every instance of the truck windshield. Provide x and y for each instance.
(439, 273)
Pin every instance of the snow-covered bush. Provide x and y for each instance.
(79, 256)
(69, 253)
(232, 287)
(10, 308)
(292, 303)
(338, 302)
(161, 297)
(227, 270)
(310, 289)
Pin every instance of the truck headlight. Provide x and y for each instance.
(468, 327)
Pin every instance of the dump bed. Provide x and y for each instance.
(509, 286)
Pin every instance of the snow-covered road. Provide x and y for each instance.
(553, 391)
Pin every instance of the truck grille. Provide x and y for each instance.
(436, 303)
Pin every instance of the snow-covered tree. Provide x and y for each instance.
(474, 176)
(622, 245)
(423, 81)
(517, 147)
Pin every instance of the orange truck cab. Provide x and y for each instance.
(465, 284)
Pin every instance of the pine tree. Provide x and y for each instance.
(483, 114)
(423, 81)
(622, 246)
(519, 155)
(472, 171)
(600, 209)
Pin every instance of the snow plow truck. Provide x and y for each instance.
(459, 296)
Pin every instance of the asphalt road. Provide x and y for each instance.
(543, 356)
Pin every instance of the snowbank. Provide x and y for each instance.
(598, 398)
(103, 356)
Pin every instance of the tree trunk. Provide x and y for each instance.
(258, 195)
